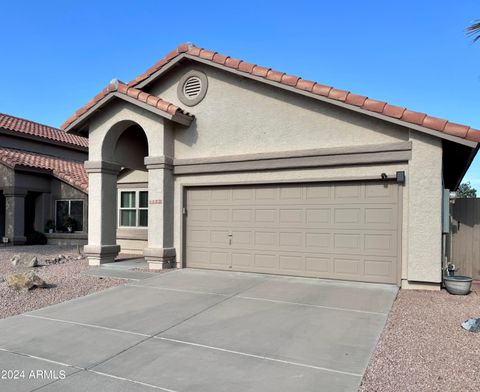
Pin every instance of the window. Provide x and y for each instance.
(133, 208)
(69, 208)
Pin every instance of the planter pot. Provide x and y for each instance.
(458, 285)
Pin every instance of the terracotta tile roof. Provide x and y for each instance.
(116, 86)
(397, 112)
(71, 172)
(20, 125)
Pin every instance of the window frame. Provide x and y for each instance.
(69, 212)
(137, 208)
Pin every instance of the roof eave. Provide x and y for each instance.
(177, 117)
(467, 166)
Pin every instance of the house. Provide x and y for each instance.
(42, 179)
(222, 164)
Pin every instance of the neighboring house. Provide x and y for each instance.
(42, 179)
(218, 163)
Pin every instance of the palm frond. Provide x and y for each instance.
(474, 30)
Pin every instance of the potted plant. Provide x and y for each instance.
(450, 269)
(456, 284)
(49, 226)
(69, 224)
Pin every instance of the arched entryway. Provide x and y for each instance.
(125, 210)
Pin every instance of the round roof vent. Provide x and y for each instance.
(192, 88)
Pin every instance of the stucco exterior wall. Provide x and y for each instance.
(239, 116)
(133, 177)
(120, 115)
(134, 247)
(425, 209)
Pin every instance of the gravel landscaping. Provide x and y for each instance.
(65, 279)
(424, 347)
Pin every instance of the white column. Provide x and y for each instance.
(102, 212)
(160, 253)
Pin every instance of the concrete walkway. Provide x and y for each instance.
(194, 330)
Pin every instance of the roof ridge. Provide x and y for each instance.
(29, 127)
(355, 100)
(31, 121)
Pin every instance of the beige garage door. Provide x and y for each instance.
(340, 230)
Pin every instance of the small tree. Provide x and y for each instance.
(465, 190)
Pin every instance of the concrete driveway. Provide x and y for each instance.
(195, 330)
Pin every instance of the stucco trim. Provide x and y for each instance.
(102, 167)
(390, 177)
(11, 191)
(162, 162)
(396, 152)
(130, 185)
(132, 234)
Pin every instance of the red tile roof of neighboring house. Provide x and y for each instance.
(20, 125)
(363, 102)
(71, 172)
(122, 88)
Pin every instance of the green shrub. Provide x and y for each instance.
(36, 238)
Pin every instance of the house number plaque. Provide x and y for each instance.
(155, 201)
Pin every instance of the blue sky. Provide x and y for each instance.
(56, 55)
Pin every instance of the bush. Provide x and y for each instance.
(36, 238)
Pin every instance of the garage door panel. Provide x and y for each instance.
(291, 264)
(220, 259)
(318, 265)
(318, 241)
(348, 266)
(291, 193)
(266, 261)
(245, 194)
(291, 216)
(378, 267)
(347, 242)
(219, 238)
(343, 215)
(291, 240)
(242, 216)
(381, 193)
(242, 260)
(266, 216)
(341, 231)
(266, 239)
(242, 239)
(317, 193)
(318, 216)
